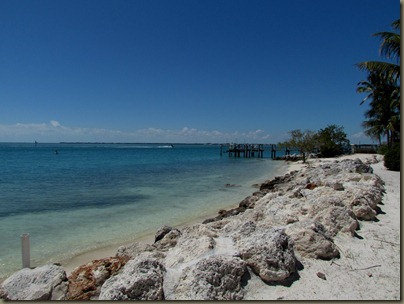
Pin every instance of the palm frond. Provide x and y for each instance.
(379, 67)
(390, 46)
(396, 24)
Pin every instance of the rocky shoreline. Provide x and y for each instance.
(271, 236)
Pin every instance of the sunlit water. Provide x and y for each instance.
(74, 197)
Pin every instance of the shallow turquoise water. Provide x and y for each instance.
(87, 196)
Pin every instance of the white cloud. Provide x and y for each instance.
(54, 131)
(55, 123)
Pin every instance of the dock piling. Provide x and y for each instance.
(25, 251)
(244, 150)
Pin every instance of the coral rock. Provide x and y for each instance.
(140, 279)
(269, 252)
(213, 278)
(312, 240)
(47, 282)
(85, 281)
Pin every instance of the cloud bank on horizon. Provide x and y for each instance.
(54, 131)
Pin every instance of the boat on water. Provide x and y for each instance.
(170, 146)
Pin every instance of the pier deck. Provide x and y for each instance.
(244, 150)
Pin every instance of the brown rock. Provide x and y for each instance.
(85, 282)
(311, 186)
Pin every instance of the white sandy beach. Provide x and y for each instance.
(368, 269)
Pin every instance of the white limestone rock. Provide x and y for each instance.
(140, 279)
(312, 240)
(48, 282)
(269, 253)
(214, 278)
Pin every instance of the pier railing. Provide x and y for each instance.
(253, 150)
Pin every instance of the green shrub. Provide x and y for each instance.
(382, 149)
(392, 158)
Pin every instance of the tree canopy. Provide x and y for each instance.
(382, 87)
(330, 141)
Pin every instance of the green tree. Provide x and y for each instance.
(332, 141)
(304, 141)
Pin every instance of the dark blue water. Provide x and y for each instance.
(75, 197)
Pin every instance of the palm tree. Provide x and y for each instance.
(389, 49)
(383, 89)
(384, 112)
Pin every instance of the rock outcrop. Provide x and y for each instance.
(85, 281)
(214, 278)
(269, 253)
(312, 240)
(48, 282)
(140, 279)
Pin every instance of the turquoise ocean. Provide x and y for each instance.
(72, 198)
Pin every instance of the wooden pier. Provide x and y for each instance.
(251, 150)
(244, 150)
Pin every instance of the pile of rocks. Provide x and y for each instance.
(291, 217)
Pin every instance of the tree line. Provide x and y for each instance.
(328, 142)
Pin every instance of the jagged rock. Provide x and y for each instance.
(274, 184)
(195, 242)
(311, 186)
(336, 219)
(213, 278)
(226, 213)
(239, 229)
(161, 232)
(140, 279)
(249, 201)
(166, 237)
(360, 167)
(362, 210)
(338, 187)
(269, 252)
(133, 250)
(312, 240)
(47, 282)
(330, 211)
(85, 281)
(297, 194)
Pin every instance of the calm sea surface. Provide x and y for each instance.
(88, 196)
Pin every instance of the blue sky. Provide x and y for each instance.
(184, 70)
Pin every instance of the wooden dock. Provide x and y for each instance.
(244, 150)
(251, 150)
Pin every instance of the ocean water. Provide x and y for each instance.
(72, 198)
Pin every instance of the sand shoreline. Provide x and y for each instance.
(108, 251)
(369, 266)
(71, 263)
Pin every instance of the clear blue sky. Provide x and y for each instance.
(184, 70)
